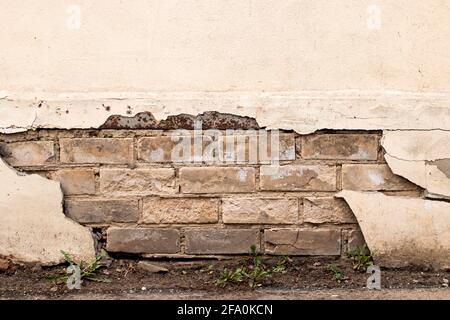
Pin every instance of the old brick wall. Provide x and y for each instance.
(125, 183)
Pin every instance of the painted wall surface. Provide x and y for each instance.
(217, 45)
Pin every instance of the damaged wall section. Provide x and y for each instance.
(122, 178)
(33, 227)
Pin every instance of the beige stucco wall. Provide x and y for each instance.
(217, 45)
(290, 64)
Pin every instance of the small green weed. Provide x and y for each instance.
(252, 270)
(361, 258)
(336, 273)
(88, 270)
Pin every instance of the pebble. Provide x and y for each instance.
(144, 289)
(152, 267)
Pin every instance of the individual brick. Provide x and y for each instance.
(30, 153)
(298, 178)
(137, 181)
(257, 147)
(133, 240)
(340, 147)
(75, 182)
(372, 177)
(221, 241)
(180, 210)
(326, 210)
(102, 211)
(217, 180)
(303, 242)
(178, 149)
(259, 211)
(97, 150)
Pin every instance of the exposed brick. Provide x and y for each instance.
(298, 178)
(173, 149)
(102, 211)
(97, 150)
(260, 210)
(32, 153)
(180, 210)
(217, 180)
(246, 147)
(75, 182)
(256, 147)
(132, 240)
(220, 241)
(368, 177)
(340, 146)
(325, 242)
(326, 210)
(137, 181)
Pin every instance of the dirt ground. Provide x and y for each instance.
(304, 278)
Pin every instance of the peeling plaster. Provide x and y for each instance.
(403, 231)
(33, 227)
(304, 112)
(421, 157)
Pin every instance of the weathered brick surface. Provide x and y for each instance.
(217, 180)
(180, 210)
(368, 177)
(298, 177)
(97, 150)
(239, 148)
(154, 240)
(32, 153)
(75, 182)
(220, 241)
(257, 148)
(303, 241)
(326, 210)
(260, 210)
(102, 211)
(137, 181)
(340, 146)
(174, 149)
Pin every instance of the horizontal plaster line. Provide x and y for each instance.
(124, 95)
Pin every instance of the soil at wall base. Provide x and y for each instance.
(127, 277)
